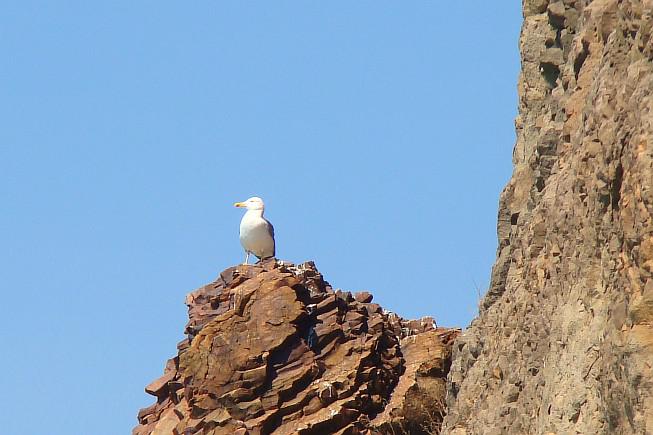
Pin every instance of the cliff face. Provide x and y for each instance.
(564, 340)
(272, 348)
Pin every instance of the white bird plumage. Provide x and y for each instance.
(256, 232)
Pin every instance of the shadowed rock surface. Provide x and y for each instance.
(272, 348)
(564, 340)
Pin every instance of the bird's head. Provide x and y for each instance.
(253, 203)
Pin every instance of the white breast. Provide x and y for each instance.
(255, 235)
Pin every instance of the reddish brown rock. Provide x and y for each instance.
(416, 405)
(364, 297)
(272, 348)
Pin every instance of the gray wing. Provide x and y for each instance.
(271, 232)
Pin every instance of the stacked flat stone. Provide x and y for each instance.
(247, 367)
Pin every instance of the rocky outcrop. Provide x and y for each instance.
(272, 348)
(564, 340)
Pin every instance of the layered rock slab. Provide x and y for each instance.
(272, 348)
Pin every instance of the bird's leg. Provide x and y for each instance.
(247, 257)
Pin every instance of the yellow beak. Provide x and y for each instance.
(240, 204)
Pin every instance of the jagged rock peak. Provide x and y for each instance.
(272, 348)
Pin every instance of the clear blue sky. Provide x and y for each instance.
(379, 134)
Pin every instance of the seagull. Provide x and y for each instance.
(256, 233)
